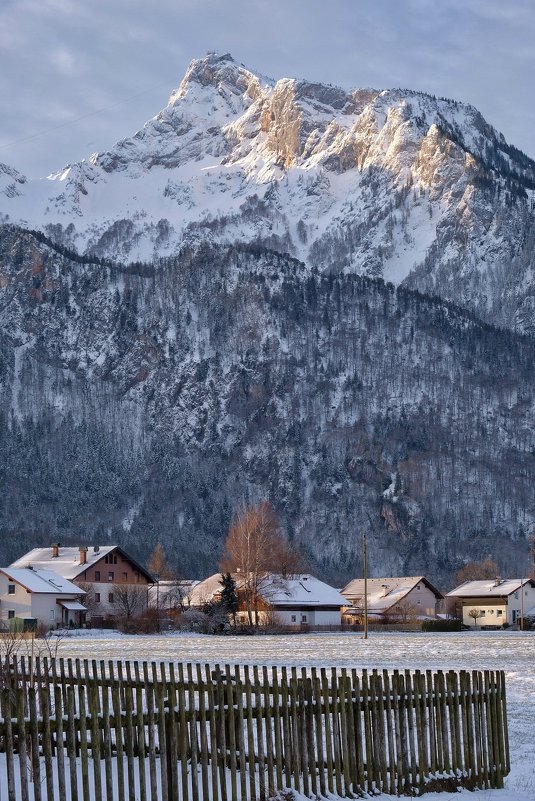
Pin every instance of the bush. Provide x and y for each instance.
(443, 624)
(147, 623)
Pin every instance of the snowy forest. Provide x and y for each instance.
(146, 403)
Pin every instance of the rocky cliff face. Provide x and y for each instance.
(393, 184)
(146, 402)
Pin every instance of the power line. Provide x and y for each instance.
(81, 117)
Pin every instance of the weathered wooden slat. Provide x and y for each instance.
(71, 744)
(8, 742)
(204, 756)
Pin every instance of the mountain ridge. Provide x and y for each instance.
(390, 183)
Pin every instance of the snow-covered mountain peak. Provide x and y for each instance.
(219, 72)
(391, 183)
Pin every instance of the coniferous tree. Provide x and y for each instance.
(229, 596)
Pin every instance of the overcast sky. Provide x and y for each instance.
(76, 75)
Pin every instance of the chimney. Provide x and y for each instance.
(55, 550)
(83, 554)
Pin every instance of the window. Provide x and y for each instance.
(10, 614)
(11, 589)
(294, 618)
(481, 613)
(97, 597)
(97, 575)
(125, 576)
(111, 558)
(499, 612)
(418, 601)
(111, 575)
(417, 586)
(110, 597)
(303, 618)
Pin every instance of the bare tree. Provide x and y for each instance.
(477, 571)
(475, 614)
(258, 552)
(406, 610)
(176, 595)
(129, 599)
(90, 601)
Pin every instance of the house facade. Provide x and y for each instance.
(493, 603)
(42, 596)
(396, 598)
(301, 600)
(105, 573)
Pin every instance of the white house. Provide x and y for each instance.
(299, 600)
(494, 602)
(394, 597)
(171, 594)
(39, 595)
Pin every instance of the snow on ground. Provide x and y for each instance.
(513, 652)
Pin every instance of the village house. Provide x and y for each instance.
(394, 598)
(101, 571)
(493, 603)
(171, 594)
(29, 597)
(300, 600)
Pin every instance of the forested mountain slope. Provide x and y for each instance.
(146, 402)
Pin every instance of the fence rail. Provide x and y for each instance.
(107, 731)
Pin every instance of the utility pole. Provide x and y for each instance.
(157, 579)
(365, 569)
(521, 604)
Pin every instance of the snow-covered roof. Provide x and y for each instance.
(205, 590)
(73, 606)
(384, 593)
(299, 591)
(67, 563)
(302, 590)
(488, 587)
(41, 581)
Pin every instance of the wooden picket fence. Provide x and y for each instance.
(99, 731)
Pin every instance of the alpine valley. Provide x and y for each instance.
(278, 290)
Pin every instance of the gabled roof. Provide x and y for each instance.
(488, 588)
(41, 581)
(384, 593)
(67, 563)
(299, 591)
(302, 590)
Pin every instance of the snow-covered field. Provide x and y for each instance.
(513, 652)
